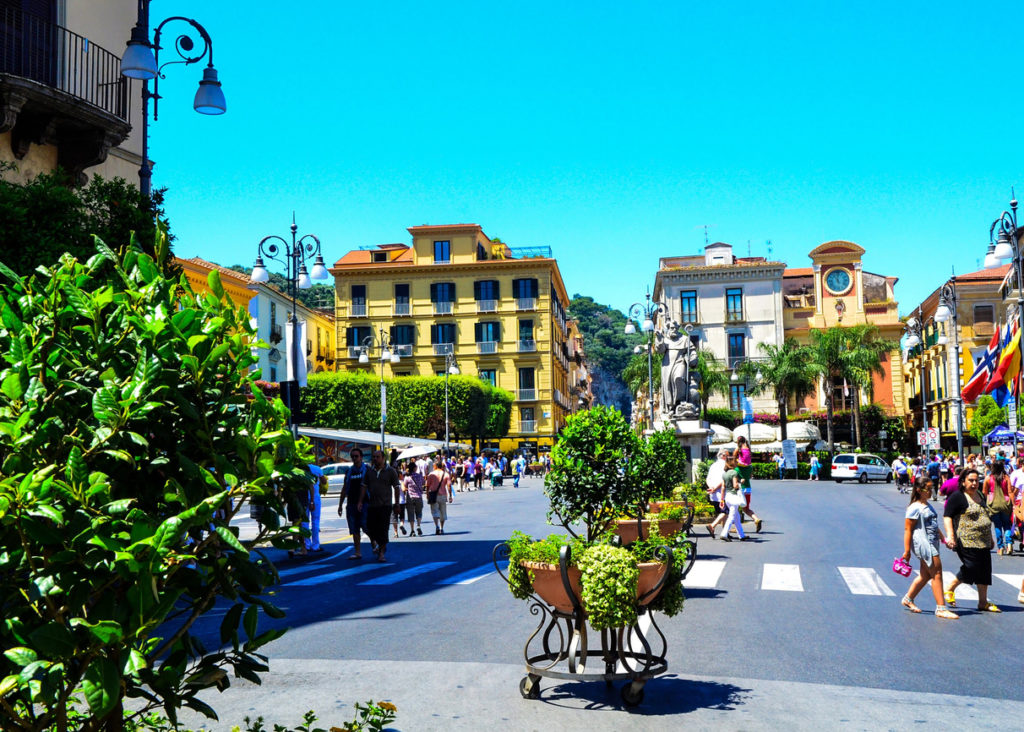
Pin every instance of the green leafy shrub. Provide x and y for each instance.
(608, 583)
(522, 548)
(130, 437)
(724, 417)
(701, 473)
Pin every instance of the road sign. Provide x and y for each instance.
(929, 438)
(922, 437)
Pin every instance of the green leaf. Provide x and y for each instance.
(11, 386)
(106, 631)
(20, 656)
(54, 640)
(136, 662)
(46, 511)
(105, 406)
(168, 535)
(78, 301)
(13, 277)
(251, 621)
(101, 686)
(231, 540)
(229, 625)
(213, 280)
(8, 684)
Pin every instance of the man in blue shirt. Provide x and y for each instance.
(319, 482)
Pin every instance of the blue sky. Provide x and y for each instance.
(610, 131)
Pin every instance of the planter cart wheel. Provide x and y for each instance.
(633, 693)
(529, 687)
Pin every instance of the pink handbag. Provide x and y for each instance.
(899, 566)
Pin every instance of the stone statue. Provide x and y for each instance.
(680, 381)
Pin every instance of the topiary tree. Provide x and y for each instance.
(131, 435)
(660, 466)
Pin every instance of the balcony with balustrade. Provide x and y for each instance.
(402, 309)
(526, 303)
(526, 395)
(487, 348)
(444, 307)
(443, 349)
(528, 425)
(527, 346)
(487, 306)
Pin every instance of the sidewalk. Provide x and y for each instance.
(474, 696)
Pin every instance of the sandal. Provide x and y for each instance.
(989, 608)
(946, 614)
(950, 598)
(905, 602)
(354, 557)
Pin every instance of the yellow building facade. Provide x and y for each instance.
(932, 367)
(500, 311)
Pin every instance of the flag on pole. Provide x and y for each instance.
(1007, 369)
(983, 371)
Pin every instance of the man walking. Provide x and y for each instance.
(319, 488)
(381, 490)
(715, 487)
(352, 489)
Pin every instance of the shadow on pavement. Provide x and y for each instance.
(663, 695)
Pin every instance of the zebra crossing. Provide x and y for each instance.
(708, 574)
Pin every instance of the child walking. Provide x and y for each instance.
(921, 534)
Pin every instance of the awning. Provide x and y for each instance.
(363, 437)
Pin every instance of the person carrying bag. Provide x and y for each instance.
(999, 507)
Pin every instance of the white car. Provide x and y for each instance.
(335, 473)
(862, 467)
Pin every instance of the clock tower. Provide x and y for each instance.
(838, 283)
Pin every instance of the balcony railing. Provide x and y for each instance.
(403, 349)
(358, 310)
(402, 308)
(443, 349)
(354, 351)
(526, 303)
(689, 316)
(527, 346)
(444, 308)
(527, 395)
(733, 316)
(486, 347)
(528, 425)
(34, 48)
(486, 306)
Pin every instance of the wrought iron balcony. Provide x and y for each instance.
(402, 308)
(444, 308)
(526, 303)
(443, 349)
(486, 306)
(403, 349)
(357, 310)
(486, 347)
(46, 73)
(526, 395)
(528, 425)
(527, 346)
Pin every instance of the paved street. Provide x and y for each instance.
(801, 627)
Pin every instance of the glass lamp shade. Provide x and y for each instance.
(210, 97)
(385, 355)
(363, 358)
(138, 61)
(259, 271)
(913, 341)
(991, 260)
(319, 270)
(1004, 250)
(454, 370)
(304, 282)
(395, 358)
(759, 377)
(942, 313)
(648, 325)
(943, 340)
(630, 328)
(734, 377)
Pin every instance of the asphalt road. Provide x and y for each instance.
(437, 631)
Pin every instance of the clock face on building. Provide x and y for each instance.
(838, 281)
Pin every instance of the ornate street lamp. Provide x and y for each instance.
(388, 353)
(293, 256)
(947, 311)
(451, 366)
(648, 310)
(141, 60)
(1004, 243)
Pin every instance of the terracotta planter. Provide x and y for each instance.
(547, 585)
(657, 506)
(650, 575)
(626, 529)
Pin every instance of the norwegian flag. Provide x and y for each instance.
(984, 370)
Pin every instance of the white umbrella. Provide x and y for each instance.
(720, 433)
(755, 432)
(802, 431)
(820, 445)
(416, 451)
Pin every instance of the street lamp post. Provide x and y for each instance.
(388, 353)
(293, 256)
(451, 366)
(647, 311)
(914, 332)
(947, 311)
(141, 60)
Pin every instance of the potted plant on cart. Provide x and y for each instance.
(600, 470)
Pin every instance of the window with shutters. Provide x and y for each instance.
(487, 293)
(984, 320)
(488, 375)
(442, 337)
(525, 292)
(527, 342)
(487, 336)
(527, 385)
(688, 307)
(442, 294)
(358, 301)
(737, 349)
(403, 338)
(354, 337)
(402, 306)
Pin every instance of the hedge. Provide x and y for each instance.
(415, 405)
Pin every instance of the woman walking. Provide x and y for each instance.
(412, 486)
(969, 531)
(439, 492)
(745, 469)
(999, 497)
(921, 535)
(815, 467)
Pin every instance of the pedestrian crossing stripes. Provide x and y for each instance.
(963, 592)
(1010, 579)
(864, 581)
(782, 577)
(395, 577)
(468, 578)
(305, 567)
(320, 579)
(704, 574)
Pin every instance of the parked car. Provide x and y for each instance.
(335, 473)
(862, 467)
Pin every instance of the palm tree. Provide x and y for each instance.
(865, 351)
(714, 379)
(828, 361)
(785, 372)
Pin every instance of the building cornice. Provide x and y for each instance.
(720, 274)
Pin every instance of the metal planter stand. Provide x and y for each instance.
(628, 653)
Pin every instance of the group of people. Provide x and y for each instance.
(983, 510)
(729, 491)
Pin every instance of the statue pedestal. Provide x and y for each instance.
(693, 436)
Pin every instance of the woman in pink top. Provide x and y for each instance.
(744, 467)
